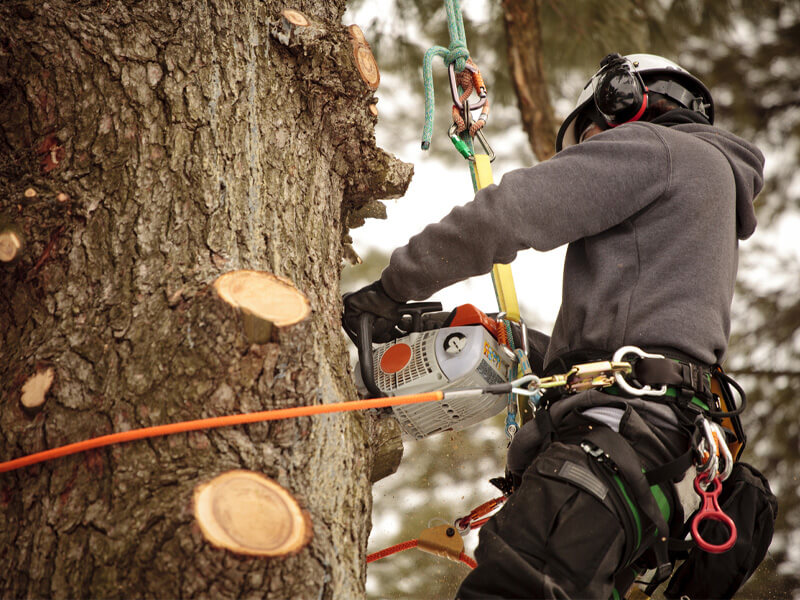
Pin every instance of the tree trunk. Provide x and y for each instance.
(146, 148)
(524, 40)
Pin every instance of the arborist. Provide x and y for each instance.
(651, 200)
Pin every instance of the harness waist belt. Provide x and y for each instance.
(689, 377)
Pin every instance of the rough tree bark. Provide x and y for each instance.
(524, 42)
(167, 143)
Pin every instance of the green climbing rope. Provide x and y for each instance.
(455, 53)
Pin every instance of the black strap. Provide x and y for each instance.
(671, 470)
(690, 379)
(621, 452)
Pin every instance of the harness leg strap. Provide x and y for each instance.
(629, 464)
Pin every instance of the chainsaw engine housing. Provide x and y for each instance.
(451, 358)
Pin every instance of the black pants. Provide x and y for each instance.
(560, 535)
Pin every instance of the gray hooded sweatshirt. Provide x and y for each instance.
(652, 215)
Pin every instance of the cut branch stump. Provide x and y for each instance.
(265, 301)
(295, 17)
(11, 242)
(248, 513)
(364, 59)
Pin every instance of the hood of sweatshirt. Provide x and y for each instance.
(745, 159)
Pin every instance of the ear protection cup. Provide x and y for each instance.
(619, 93)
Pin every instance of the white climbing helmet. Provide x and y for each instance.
(635, 70)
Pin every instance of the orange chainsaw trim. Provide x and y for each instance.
(214, 422)
(468, 314)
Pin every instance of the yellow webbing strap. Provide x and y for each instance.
(501, 274)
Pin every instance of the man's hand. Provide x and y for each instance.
(374, 300)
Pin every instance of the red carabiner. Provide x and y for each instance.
(711, 510)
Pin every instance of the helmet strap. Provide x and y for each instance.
(678, 93)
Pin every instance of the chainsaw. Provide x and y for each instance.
(462, 353)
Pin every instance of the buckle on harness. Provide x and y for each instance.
(645, 390)
(596, 375)
(598, 454)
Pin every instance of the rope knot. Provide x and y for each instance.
(457, 53)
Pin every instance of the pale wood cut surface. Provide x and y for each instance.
(248, 513)
(10, 245)
(295, 17)
(365, 61)
(264, 295)
(36, 387)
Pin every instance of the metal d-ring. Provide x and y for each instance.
(486, 147)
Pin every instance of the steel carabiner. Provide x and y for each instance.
(481, 91)
(464, 149)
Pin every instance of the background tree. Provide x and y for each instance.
(145, 149)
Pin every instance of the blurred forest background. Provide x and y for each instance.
(748, 53)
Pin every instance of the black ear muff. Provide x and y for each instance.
(619, 92)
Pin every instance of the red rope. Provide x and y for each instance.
(463, 557)
(391, 550)
(467, 560)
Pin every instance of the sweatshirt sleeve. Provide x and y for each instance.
(582, 191)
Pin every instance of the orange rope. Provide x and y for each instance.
(463, 557)
(213, 422)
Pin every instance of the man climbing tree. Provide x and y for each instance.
(146, 149)
(651, 200)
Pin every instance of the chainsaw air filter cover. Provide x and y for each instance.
(452, 358)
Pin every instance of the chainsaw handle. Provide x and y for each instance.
(364, 339)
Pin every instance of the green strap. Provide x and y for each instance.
(456, 53)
